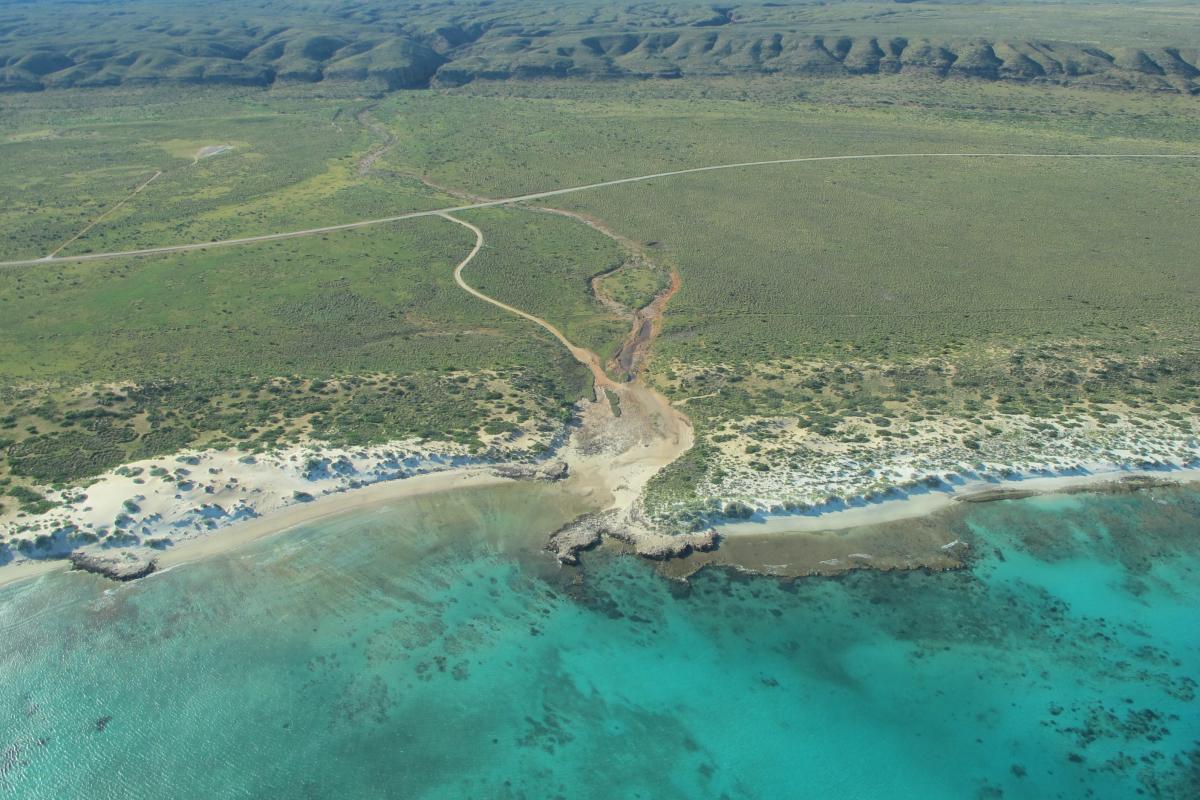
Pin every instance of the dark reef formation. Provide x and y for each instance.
(549, 471)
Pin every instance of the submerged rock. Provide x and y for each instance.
(993, 495)
(586, 531)
(119, 565)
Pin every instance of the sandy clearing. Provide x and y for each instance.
(208, 151)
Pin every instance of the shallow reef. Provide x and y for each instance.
(435, 650)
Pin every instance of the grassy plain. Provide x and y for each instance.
(543, 263)
(506, 139)
(356, 338)
(871, 257)
(816, 292)
(861, 299)
(908, 257)
(68, 158)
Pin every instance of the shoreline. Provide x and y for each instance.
(926, 501)
(921, 505)
(232, 537)
(288, 518)
(161, 503)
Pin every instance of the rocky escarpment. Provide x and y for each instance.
(382, 47)
(387, 63)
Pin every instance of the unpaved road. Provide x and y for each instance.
(54, 253)
(271, 237)
(613, 457)
(582, 355)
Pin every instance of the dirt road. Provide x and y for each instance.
(610, 455)
(271, 237)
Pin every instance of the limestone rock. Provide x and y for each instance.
(662, 547)
(553, 471)
(550, 471)
(580, 534)
(117, 565)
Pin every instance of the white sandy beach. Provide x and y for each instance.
(201, 503)
(179, 502)
(929, 501)
(286, 518)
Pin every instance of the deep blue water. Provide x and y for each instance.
(431, 651)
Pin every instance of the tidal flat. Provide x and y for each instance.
(430, 648)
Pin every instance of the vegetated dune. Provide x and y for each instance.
(451, 44)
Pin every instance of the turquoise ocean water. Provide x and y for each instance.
(430, 651)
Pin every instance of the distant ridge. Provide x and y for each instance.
(389, 47)
(729, 52)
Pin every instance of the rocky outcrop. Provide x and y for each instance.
(587, 531)
(662, 547)
(554, 471)
(579, 535)
(1126, 485)
(550, 471)
(992, 495)
(117, 565)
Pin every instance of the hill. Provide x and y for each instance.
(378, 47)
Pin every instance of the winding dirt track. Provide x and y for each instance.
(583, 356)
(614, 455)
(271, 237)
